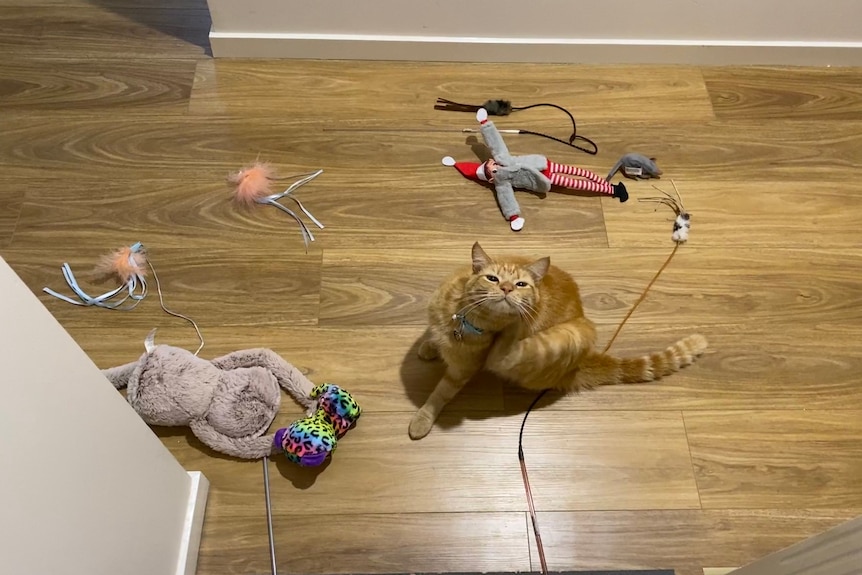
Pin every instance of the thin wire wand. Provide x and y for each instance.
(529, 492)
(269, 514)
(506, 131)
(534, 518)
(173, 313)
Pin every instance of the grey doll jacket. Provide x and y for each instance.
(523, 172)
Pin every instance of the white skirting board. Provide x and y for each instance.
(194, 523)
(539, 50)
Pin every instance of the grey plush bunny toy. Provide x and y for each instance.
(228, 402)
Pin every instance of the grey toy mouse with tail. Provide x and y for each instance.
(636, 166)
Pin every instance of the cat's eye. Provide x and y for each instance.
(492, 279)
(521, 284)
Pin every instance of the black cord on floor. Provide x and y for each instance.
(524, 422)
(504, 108)
(572, 138)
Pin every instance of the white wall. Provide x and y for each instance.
(676, 31)
(86, 488)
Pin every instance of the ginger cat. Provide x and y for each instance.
(523, 320)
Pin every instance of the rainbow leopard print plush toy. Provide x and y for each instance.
(309, 441)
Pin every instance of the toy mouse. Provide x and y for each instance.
(309, 441)
(531, 172)
(636, 166)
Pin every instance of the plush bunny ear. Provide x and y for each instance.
(119, 376)
(289, 378)
(240, 447)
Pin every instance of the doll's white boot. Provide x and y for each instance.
(517, 223)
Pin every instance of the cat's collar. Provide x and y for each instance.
(464, 326)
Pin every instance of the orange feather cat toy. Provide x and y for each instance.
(127, 264)
(253, 185)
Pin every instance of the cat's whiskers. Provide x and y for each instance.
(531, 311)
(528, 312)
(473, 301)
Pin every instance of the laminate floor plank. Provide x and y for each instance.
(143, 85)
(191, 281)
(403, 94)
(376, 543)
(376, 468)
(418, 212)
(733, 287)
(11, 202)
(685, 540)
(784, 213)
(609, 460)
(777, 459)
(195, 147)
(760, 92)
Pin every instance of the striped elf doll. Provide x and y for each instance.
(531, 172)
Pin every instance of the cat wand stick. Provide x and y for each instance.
(269, 515)
(530, 505)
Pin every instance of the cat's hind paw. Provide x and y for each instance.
(420, 425)
(428, 351)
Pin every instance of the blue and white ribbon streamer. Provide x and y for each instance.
(136, 282)
(273, 201)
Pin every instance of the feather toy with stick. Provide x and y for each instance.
(253, 185)
(682, 222)
(128, 265)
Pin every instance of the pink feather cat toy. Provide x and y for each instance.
(129, 265)
(253, 185)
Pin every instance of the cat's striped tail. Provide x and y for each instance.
(601, 369)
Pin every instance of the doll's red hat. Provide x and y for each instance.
(470, 170)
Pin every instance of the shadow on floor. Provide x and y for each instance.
(420, 377)
(186, 20)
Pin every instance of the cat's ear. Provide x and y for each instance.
(480, 258)
(539, 268)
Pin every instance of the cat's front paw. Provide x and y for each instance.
(420, 425)
(428, 351)
(501, 359)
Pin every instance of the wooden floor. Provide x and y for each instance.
(119, 127)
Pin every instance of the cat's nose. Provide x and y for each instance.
(507, 288)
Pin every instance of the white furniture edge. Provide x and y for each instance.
(193, 527)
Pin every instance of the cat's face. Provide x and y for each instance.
(506, 288)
